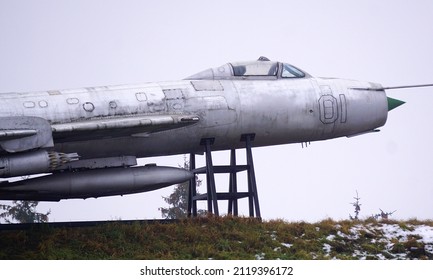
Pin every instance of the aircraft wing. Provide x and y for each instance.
(22, 133)
(119, 126)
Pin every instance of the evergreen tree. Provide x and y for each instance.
(357, 206)
(178, 203)
(23, 212)
(178, 200)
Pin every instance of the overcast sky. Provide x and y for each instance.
(70, 44)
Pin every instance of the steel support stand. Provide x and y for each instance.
(252, 186)
(192, 203)
(212, 199)
(233, 185)
(233, 194)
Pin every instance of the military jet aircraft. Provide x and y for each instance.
(88, 139)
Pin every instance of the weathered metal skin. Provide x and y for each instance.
(284, 105)
(278, 112)
(34, 162)
(95, 183)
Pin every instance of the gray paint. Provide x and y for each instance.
(168, 118)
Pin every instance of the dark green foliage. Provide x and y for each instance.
(178, 200)
(23, 212)
(212, 238)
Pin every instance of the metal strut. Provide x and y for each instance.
(212, 199)
(233, 194)
(233, 185)
(252, 186)
(192, 204)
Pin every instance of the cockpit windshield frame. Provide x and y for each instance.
(290, 71)
(251, 70)
(255, 68)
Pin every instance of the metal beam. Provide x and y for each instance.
(233, 194)
(252, 186)
(210, 178)
(192, 204)
(233, 185)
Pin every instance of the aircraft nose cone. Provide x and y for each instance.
(394, 103)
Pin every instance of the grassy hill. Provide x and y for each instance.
(225, 238)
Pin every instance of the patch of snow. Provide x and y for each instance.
(347, 236)
(287, 245)
(260, 256)
(361, 255)
(356, 229)
(327, 249)
(277, 249)
(273, 235)
(394, 231)
(330, 237)
(429, 248)
(426, 232)
(389, 245)
(400, 256)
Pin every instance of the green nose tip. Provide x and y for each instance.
(394, 103)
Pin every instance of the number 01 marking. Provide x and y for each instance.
(331, 109)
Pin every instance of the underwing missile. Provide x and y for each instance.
(94, 183)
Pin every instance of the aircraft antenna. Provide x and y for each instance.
(411, 86)
(397, 87)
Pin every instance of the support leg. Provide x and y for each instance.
(233, 189)
(210, 179)
(252, 186)
(192, 204)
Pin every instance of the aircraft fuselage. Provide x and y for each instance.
(276, 111)
(90, 138)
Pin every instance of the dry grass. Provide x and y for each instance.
(215, 238)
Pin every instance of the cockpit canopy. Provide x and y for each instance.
(261, 69)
